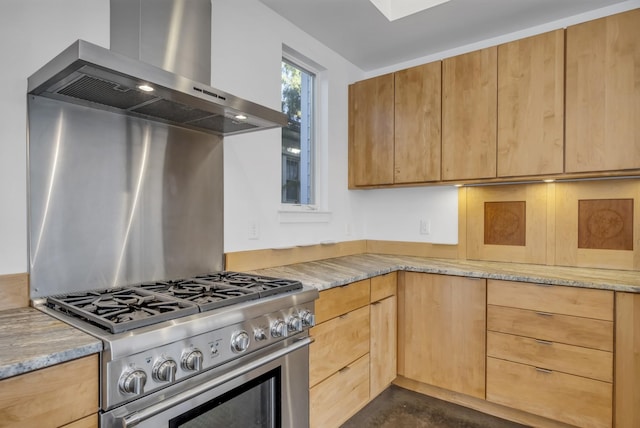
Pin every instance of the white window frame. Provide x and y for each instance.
(316, 212)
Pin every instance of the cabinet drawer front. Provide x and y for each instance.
(570, 359)
(339, 397)
(338, 342)
(571, 399)
(580, 302)
(590, 333)
(340, 300)
(383, 286)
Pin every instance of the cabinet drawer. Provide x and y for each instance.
(339, 397)
(340, 300)
(576, 360)
(571, 399)
(580, 302)
(338, 342)
(383, 286)
(590, 333)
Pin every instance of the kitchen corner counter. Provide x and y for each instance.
(31, 340)
(329, 273)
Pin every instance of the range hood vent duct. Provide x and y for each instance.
(96, 77)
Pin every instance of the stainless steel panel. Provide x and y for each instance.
(115, 199)
(171, 34)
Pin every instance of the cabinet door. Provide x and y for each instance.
(371, 131)
(627, 360)
(417, 123)
(531, 105)
(383, 344)
(469, 106)
(442, 331)
(602, 108)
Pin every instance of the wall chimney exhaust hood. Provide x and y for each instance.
(96, 77)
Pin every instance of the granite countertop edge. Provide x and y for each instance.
(317, 274)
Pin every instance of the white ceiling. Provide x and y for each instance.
(358, 31)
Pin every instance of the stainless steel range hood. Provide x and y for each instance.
(96, 77)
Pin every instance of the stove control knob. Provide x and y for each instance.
(279, 329)
(294, 323)
(259, 334)
(133, 381)
(192, 361)
(165, 370)
(308, 319)
(240, 341)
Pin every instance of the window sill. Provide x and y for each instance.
(300, 216)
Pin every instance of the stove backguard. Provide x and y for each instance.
(116, 200)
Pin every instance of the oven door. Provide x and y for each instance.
(265, 389)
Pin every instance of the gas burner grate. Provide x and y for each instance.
(122, 309)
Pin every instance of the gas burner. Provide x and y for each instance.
(122, 309)
(206, 295)
(264, 285)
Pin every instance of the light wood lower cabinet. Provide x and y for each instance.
(384, 343)
(339, 356)
(550, 351)
(51, 397)
(441, 331)
(627, 361)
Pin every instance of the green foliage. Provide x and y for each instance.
(291, 88)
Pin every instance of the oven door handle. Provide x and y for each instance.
(135, 418)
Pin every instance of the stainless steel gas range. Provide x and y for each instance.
(225, 349)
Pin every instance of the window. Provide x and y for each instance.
(298, 152)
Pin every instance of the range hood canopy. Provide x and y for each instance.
(96, 77)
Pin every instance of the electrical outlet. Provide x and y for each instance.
(425, 227)
(254, 230)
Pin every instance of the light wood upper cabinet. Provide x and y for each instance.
(469, 110)
(602, 93)
(371, 135)
(417, 123)
(442, 331)
(531, 105)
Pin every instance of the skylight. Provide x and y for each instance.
(396, 9)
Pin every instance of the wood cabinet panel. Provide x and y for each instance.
(340, 396)
(384, 286)
(602, 93)
(371, 131)
(384, 344)
(441, 323)
(627, 362)
(590, 333)
(581, 302)
(338, 342)
(469, 118)
(575, 360)
(531, 105)
(340, 300)
(418, 114)
(571, 399)
(49, 396)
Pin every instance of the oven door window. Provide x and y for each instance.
(255, 404)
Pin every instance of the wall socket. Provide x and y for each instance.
(254, 230)
(425, 227)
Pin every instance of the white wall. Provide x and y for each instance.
(31, 33)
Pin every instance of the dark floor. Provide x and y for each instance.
(400, 408)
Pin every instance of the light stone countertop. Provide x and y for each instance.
(31, 340)
(328, 273)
